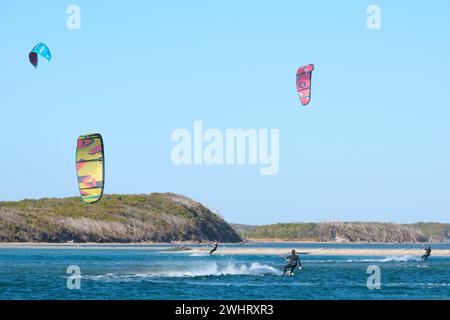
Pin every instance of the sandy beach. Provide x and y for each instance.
(330, 252)
(225, 250)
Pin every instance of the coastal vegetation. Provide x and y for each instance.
(167, 217)
(158, 217)
(349, 232)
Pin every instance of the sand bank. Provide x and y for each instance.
(224, 250)
(320, 251)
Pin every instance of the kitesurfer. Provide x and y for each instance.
(216, 245)
(294, 261)
(427, 253)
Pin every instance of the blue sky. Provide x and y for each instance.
(373, 145)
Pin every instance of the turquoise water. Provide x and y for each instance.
(134, 273)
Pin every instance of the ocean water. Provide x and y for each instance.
(154, 273)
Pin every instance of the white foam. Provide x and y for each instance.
(400, 258)
(417, 284)
(213, 269)
(405, 258)
(203, 270)
(199, 254)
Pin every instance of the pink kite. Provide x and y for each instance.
(304, 83)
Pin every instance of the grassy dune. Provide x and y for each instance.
(117, 218)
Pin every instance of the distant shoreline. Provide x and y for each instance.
(167, 217)
(190, 243)
(274, 240)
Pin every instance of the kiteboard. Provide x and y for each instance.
(289, 274)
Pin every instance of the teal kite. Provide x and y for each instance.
(39, 49)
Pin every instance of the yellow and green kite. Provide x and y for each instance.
(90, 167)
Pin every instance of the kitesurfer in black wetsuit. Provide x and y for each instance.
(427, 253)
(216, 245)
(294, 261)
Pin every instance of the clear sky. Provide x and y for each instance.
(373, 145)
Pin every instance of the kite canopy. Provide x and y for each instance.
(90, 167)
(304, 83)
(39, 49)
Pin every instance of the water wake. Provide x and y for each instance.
(405, 258)
(203, 270)
(199, 254)
(213, 269)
